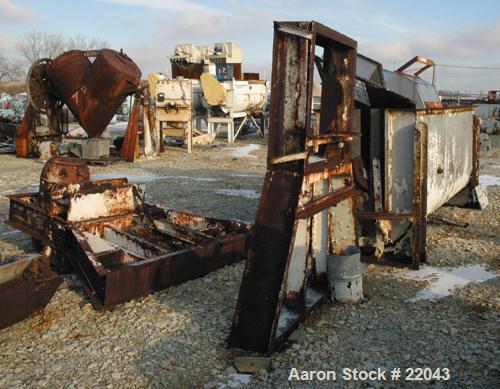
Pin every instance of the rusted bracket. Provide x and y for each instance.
(324, 202)
(417, 59)
(308, 185)
(129, 150)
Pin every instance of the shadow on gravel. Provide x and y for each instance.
(191, 351)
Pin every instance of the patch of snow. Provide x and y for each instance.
(244, 151)
(249, 194)
(445, 280)
(233, 380)
(487, 180)
(132, 179)
(30, 189)
(247, 175)
(237, 380)
(10, 233)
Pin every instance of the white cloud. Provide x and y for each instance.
(7, 44)
(247, 25)
(468, 44)
(463, 44)
(169, 5)
(473, 45)
(250, 26)
(12, 12)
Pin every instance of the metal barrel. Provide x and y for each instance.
(345, 276)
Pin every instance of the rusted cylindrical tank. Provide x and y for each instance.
(59, 176)
(64, 170)
(94, 91)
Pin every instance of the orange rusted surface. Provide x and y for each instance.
(94, 91)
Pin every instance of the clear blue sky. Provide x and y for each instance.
(450, 32)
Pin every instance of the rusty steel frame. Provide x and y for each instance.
(141, 111)
(27, 293)
(417, 59)
(191, 248)
(299, 156)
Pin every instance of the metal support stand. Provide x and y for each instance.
(215, 123)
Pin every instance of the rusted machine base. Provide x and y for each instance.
(132, 254)
(194, 257)
(25, 292)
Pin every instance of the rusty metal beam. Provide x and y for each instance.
(308, 172)
(324, 202)
(129, 150)
(417, 59)
(384, 215)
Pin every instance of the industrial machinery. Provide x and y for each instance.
(415, 155)
(408, 83)
(230, 97)
(121, 247)
(233, 103)
(306, 210)
(176, 103)
(223, 61)
(328, 188)
(26, 287)
(92, 90)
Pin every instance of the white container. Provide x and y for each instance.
(345, 276)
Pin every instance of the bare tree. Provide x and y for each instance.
(79, 42)
(36, 45)
(10, 70)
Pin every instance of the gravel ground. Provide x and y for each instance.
(177, 338)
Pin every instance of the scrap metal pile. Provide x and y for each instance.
(120, 246)
(363, 166)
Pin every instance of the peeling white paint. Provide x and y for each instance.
(400, 186)
(95, 205)
(449, 159)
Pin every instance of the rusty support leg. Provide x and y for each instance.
(476, 145)
(131, 140)
(24, 133)
(419, 196)
(274, 232)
